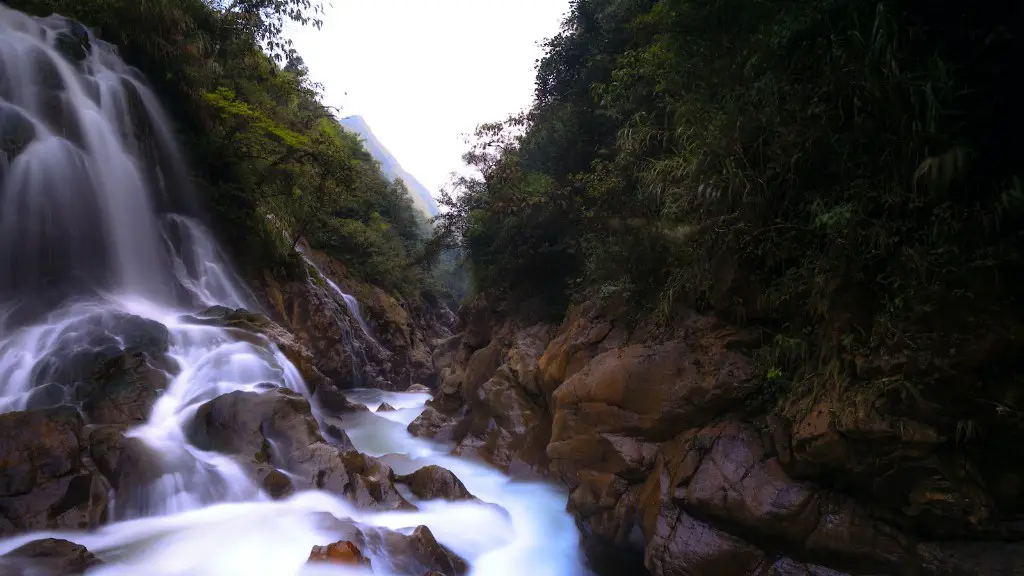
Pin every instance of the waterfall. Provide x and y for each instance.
(350, 301)
(93, 257)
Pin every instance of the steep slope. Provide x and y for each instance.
(389, 164)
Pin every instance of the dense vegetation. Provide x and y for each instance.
(272, 162)
(843, 173)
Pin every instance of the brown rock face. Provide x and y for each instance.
(343, 552)
(276, 430)
(48, 557)
(395, 553)
(434, 482)
(489, 402)
(44, 481)
(396, 352)
(672, 474)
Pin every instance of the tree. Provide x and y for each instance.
(264, 21)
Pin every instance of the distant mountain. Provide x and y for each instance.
(421, 197)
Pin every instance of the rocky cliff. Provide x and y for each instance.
(676, 466)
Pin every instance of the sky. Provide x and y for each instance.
(424, 73)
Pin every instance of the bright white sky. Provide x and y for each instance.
(424, 73)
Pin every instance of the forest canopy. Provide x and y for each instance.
(835, 171)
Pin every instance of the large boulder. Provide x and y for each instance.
(129, 465)
(45, 480)
(434, 482)
(113, 365)
(276, 431)
(48, 557)
(406, 553)
(343, 553)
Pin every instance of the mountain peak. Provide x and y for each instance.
(389, 165)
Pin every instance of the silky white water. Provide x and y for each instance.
(97, 242)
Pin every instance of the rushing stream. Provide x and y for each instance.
(97, 238)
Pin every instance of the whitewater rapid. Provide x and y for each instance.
(266, 537)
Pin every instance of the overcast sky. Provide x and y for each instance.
(425, 72)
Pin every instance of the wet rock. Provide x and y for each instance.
(48, 557)
(418, 389)
(385, 407)
(343, 552)
(128, 464)
(276, 429)
(431, 423)
(113, 365)
(16, 131)
(44, 481)
(338, 437)
(434, 482)
(278, 485)
(335, 401)
(122, 390)
(319, 322)
(419, 553)
(71, 47)
(372, 483)
(242, 323)
(403, 553)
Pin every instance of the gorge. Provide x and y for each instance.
(224, 348)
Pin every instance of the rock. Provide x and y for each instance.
(372, 483)
(242, 323)
(342, 552)
(419, 553)
(408, 553)
(418, 389)
(431, 423)
(276, 429)
(278, 485)
(506, 427)
(128, 464)
(338, 437)
(48, 557)
(45, 483)
(122, 390)
(115, 379)
(71, 47)
(896, 463)
(385, 407)
(319, 321)
(434, 482)
(335, 401)
(16, 131)
(581, 337)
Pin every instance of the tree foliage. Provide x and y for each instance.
(838, 171)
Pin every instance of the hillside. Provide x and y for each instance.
(389, 165)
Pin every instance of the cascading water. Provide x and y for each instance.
(350, 301)
(98, 254)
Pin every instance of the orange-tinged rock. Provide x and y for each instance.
(342, 552)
